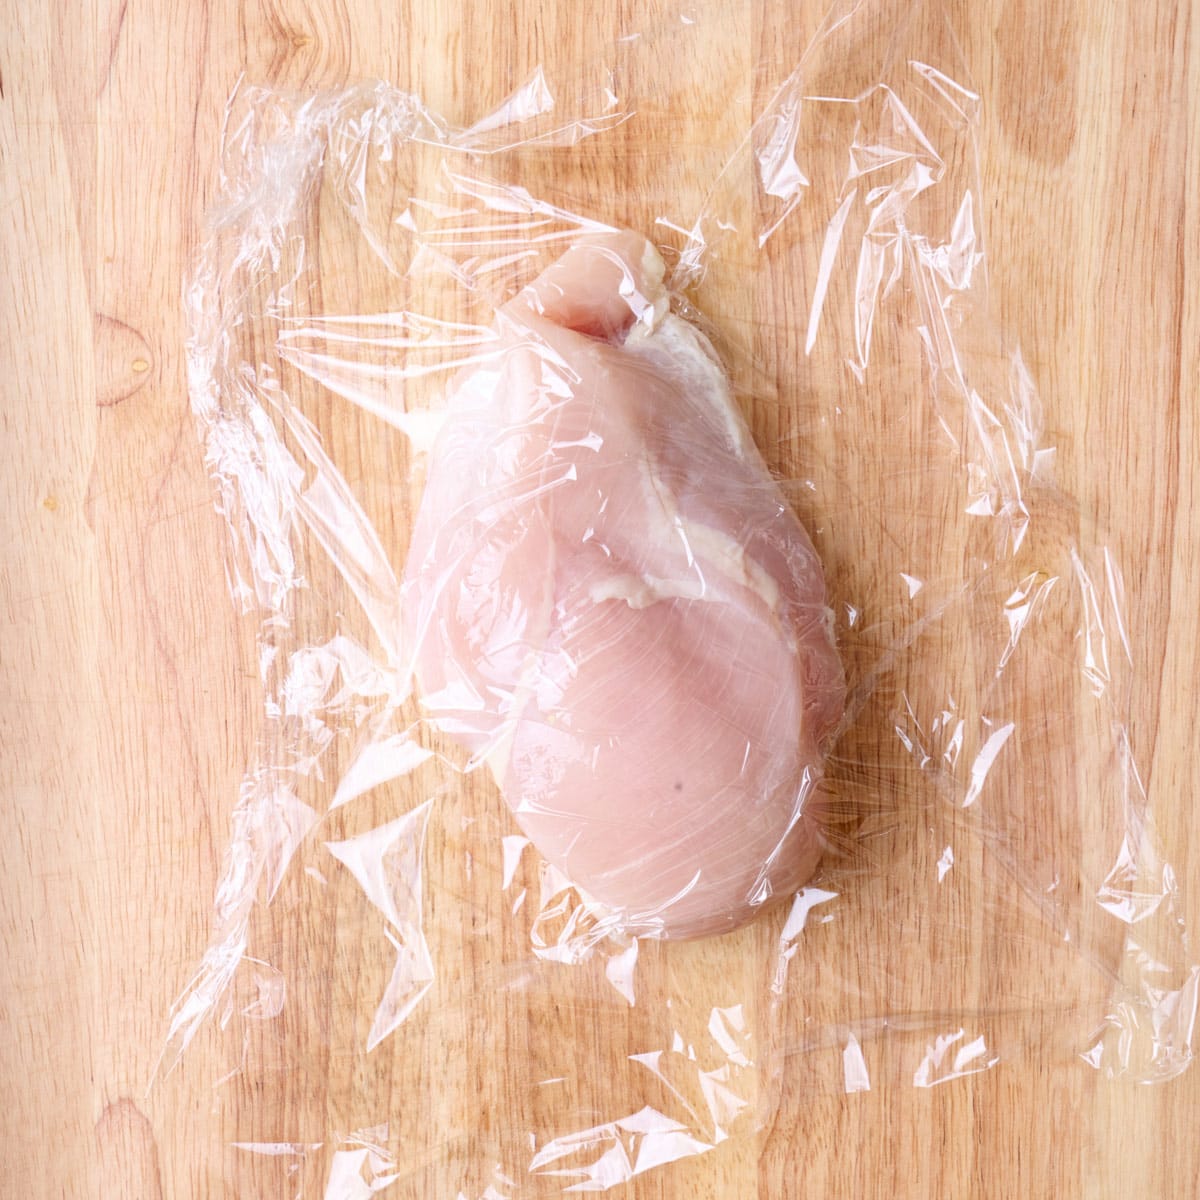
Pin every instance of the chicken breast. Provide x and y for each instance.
(611, 604)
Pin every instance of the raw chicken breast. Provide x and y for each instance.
(612, 605)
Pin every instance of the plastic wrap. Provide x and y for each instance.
(556, 459)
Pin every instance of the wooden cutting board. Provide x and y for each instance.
(128, 701)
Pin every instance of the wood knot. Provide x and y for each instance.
(123, 360)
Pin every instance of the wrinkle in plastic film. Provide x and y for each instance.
(983, 789)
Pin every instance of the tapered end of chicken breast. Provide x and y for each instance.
(601, 287)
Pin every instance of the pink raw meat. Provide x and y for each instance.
(611, 604)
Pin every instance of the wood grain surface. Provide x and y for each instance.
(128, 688)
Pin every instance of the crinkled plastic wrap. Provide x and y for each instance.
(684, 685)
